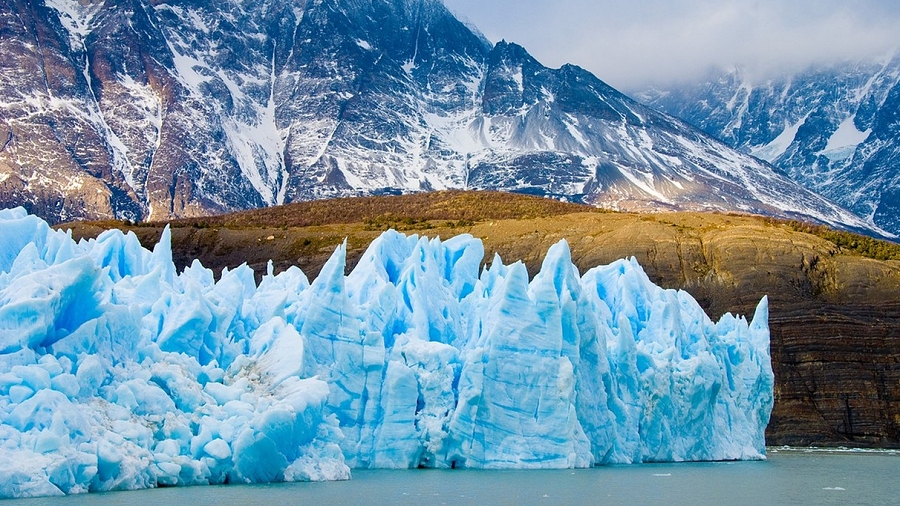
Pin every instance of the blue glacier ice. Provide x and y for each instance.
(117, 372)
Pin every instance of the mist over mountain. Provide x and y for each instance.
(148, 109)
(832, 128)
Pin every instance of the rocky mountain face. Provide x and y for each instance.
(152, 109)
(832, 128)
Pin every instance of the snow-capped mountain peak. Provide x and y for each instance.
(152, 109)
(831, 128)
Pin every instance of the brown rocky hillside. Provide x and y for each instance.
(834, 297)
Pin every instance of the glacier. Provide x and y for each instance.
(118, 372)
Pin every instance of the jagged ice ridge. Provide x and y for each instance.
(117, 372)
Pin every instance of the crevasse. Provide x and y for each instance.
(117, 372)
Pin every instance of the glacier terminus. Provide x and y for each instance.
(118, 372)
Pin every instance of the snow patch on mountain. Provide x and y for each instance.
(844, 141)
(774, 149)
(76, 17)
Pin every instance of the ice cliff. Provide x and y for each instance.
(117, 372)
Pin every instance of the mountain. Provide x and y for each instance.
(148, 110)
(833, 128)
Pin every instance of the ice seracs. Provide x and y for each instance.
(117, 372)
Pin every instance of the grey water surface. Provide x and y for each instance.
(788, 477)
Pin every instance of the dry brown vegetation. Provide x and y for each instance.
(453, 210)
(419, 208)
(850, 242)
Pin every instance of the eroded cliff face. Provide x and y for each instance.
(834, 320)
(834, 316)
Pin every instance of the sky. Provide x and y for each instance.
(632, 44)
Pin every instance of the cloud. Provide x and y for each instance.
(632, 44)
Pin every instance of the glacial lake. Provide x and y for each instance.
(787, 477)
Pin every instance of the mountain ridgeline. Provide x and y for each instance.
(152, 109)
(833, 128)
